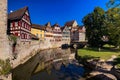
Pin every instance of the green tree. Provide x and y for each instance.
(113, 25)
(113, 3)
(95, 27)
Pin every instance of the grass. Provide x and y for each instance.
(105, 53)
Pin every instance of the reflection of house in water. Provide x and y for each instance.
(57, 65)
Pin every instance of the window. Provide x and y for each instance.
(16, 27)
(37, 34)
(13, 24)
(16, 23)
(16, 33)
(29, 36)
(22, 35)
(24, 16)
(19, 23)
(19, 27)
(25, 36)
(28, 27)
(22, 24)
(40, 35)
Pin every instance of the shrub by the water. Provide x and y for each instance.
(5, 67)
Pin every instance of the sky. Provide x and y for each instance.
(57, 11)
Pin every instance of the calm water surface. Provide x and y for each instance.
(39, 68)
(69, 72)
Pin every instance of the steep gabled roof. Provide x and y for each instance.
(18, 14)
(56, 25)
(81, 29)
(37, 26)
(62, 28)
(48, 24)
(69, 23)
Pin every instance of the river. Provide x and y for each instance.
(51, 64)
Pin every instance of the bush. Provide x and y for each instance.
(117, 62)
(13, 38)
(5, 67)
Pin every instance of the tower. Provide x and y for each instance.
(4, 42)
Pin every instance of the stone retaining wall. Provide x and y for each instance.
(25, 50)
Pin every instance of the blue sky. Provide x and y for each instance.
(57, 11)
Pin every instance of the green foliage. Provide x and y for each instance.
(13, 38)
(100, 23)
(118, 65)
(113, 26)
(117, 62)
(5, 67)
(95, 27)
(113, 3)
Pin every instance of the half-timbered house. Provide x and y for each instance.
(65, 35)
(19, 24)
(48, 32)
(57, 33)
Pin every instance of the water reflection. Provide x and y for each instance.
(69, 72)
(41, 67)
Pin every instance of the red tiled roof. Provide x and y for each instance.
(16, 15)
(37, 26)
(69, 23)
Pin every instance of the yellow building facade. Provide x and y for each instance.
(38, 30)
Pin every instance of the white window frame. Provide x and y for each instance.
(16, 24)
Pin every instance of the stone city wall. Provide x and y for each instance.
(5, 51)
(25, 50)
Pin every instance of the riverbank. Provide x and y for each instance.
(94, 52)
(99, 65)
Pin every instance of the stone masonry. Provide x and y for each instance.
(4, 42)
